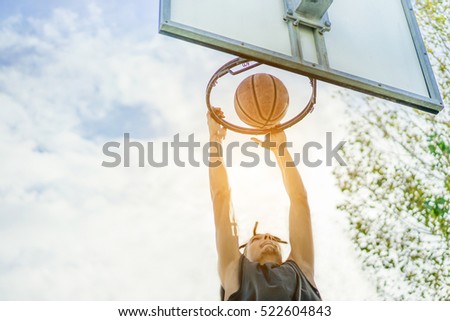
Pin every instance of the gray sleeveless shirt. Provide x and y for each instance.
(272, 282)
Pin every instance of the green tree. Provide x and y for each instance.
(396, 186)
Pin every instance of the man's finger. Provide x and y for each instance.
(256, 140)
(217, 111)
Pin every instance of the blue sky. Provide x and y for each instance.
(134, 15)
(77, 74)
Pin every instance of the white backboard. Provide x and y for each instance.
(374, 47)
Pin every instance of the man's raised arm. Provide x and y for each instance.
(300, 230)
(226, 230)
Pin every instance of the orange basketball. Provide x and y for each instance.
(261, 100)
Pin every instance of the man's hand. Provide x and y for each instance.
(215, 129)
(276, 142)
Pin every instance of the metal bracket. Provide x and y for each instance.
(311, 13)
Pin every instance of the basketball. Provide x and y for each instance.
(261, 100)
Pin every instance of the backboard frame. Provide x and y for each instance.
(432, 104)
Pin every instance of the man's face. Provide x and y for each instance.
(263, 245)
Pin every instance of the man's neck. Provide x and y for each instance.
(269, 259)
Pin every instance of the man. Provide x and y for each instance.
(259, 274)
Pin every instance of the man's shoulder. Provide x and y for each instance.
(303, 270)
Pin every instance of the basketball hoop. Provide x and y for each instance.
(247, 65)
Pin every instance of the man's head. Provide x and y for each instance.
(263, 248)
